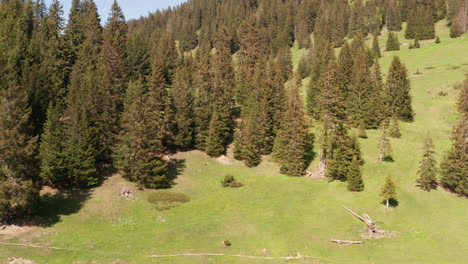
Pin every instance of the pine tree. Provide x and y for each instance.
(375, 47)
(17, 197)
(51, 151)
(203, 106)
(394, 129)
(140, 152)
(319, 67)
(397, 93)
(392, 42)
(428, 167)
(357, 20)
(455, 162)
(345, 67)
(364, 95)
(355, 182)
(223, 96)
(74, 34)
(388, 191)
(114, 80)
(80, 151)
(420, 20)
(291, 142)
(183, 104)
(393, 16)
(385, 149)
(18, 145)
(437, 41)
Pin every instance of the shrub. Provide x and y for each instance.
(437, 41)
(167, 197)
(226, 243)
(230, 181)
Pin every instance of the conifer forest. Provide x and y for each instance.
(234, 131)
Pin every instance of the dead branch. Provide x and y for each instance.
(347, 242)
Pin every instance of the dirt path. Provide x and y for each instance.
(299, 256)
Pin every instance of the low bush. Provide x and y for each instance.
(167, 197)
(230, 181)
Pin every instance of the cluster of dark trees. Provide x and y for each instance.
(79, 96)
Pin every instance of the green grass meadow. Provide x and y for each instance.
(271, 211)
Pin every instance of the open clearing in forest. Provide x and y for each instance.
(284, 215)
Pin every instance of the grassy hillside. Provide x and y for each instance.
(281, 214)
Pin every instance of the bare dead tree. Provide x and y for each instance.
(372, 227)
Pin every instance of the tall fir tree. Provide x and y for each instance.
(140, 151)
(364, 95)
(18, 145)
(397, 92)
(393, 16)
(427, 167)
(114, 79)
(183, 92)
(320, 64)
(345, 67)
(292, 140)
(51, 151)
(222, 97)
(455, 162)
(203, 90)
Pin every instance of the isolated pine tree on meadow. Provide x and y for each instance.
(428, 167)
(388, 191)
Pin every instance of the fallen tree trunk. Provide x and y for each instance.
(348, 242)
(366, 219)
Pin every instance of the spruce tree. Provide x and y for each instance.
(223, 96)
(354, 177)
(394, 129)
(203, 106)
(427, 167)
(363, 96)
(385, 149)
(397, 92)
(393, 16)
(320, 65)
(392, 42)
(140, 151)
(420, 20)
(455, 162)
(388, 191)
(345, 67)
(183, 104)
(51, 151)
(114, 80)
(375, 47)
(18, 145)
(291, 141)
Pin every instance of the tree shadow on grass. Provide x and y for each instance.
(52, 206)
(310, 154)
(392, 202)
(176, 167)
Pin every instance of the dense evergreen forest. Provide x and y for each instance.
(81, 96)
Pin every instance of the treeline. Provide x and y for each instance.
(81, 96)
